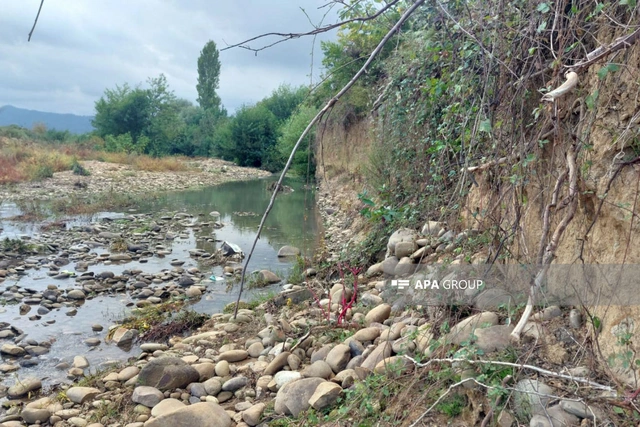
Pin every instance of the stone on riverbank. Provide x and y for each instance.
(167, 373)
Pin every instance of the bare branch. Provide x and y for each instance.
(570, 82)
(541, 371)
(315, 120)
(603, 51)
(36, 21)
(319, 30)
(552, 246)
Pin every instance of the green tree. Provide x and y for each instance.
(122, 110)
(303, 161)
(222, 144)
(165, 127)
(254, 132)
(208, 77)
(284, 100)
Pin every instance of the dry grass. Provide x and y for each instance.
(160, 164)
(23, 160)
(27, 161)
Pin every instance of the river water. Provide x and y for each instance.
(294, 220)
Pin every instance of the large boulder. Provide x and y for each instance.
(268, 277)
(39, 411)
(401, 235)
(326, 394)
(338, 357)
(82, 394)
(531, 397)
(293, 397)
(381, 352)
(463, 331)
(124, 337)
(23, 387)
(167, 373)
(200, 414)
(147, 396)
(287, 251)
(378, 314)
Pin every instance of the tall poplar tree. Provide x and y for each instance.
(209, 77)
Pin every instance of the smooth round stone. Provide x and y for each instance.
(222, 368)
(151, 347)
(255, 349)
(92, 342)
(166, 406)
(235, 383)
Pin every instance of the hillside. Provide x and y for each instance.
(10, 115)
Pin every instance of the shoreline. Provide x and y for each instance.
(125, 179)
(312, 352)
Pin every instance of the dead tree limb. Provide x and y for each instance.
(541, 371)
(566, 87)
(315, 120)
(290, 36)
(552, 246)
(603, 51)
(36, 21)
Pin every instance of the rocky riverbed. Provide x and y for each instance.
(122, 178)
(320, 350)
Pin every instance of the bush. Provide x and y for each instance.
(41, 172)
(78, 169)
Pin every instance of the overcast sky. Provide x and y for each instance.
(81, 47)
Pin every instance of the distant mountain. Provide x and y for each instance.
(10, 115)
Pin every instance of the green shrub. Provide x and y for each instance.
(78, 169)
(41, 172)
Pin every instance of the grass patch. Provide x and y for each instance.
(108, 201)
(78, 169)
(115, 411)
(23, 159)
(252, 304)
(18, 246)
(296, 275)
(160, 322)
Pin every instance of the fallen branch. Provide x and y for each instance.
(488, 387)
(542, 371)
(497, 162)
(313, 122)
(552, 246)
(302, 338)
(603, 51)
(570, 82)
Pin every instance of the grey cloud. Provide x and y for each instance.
(79, 48)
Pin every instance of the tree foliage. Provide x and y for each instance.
(249, 138)
(153, 120)
(304, 159)
(209, 77)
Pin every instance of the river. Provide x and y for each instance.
(293, 221)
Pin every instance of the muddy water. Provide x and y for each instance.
(293, 221)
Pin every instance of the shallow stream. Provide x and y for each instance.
(293, 221)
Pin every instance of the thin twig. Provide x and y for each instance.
(319, 30)
(316, 119)
(36, 21)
